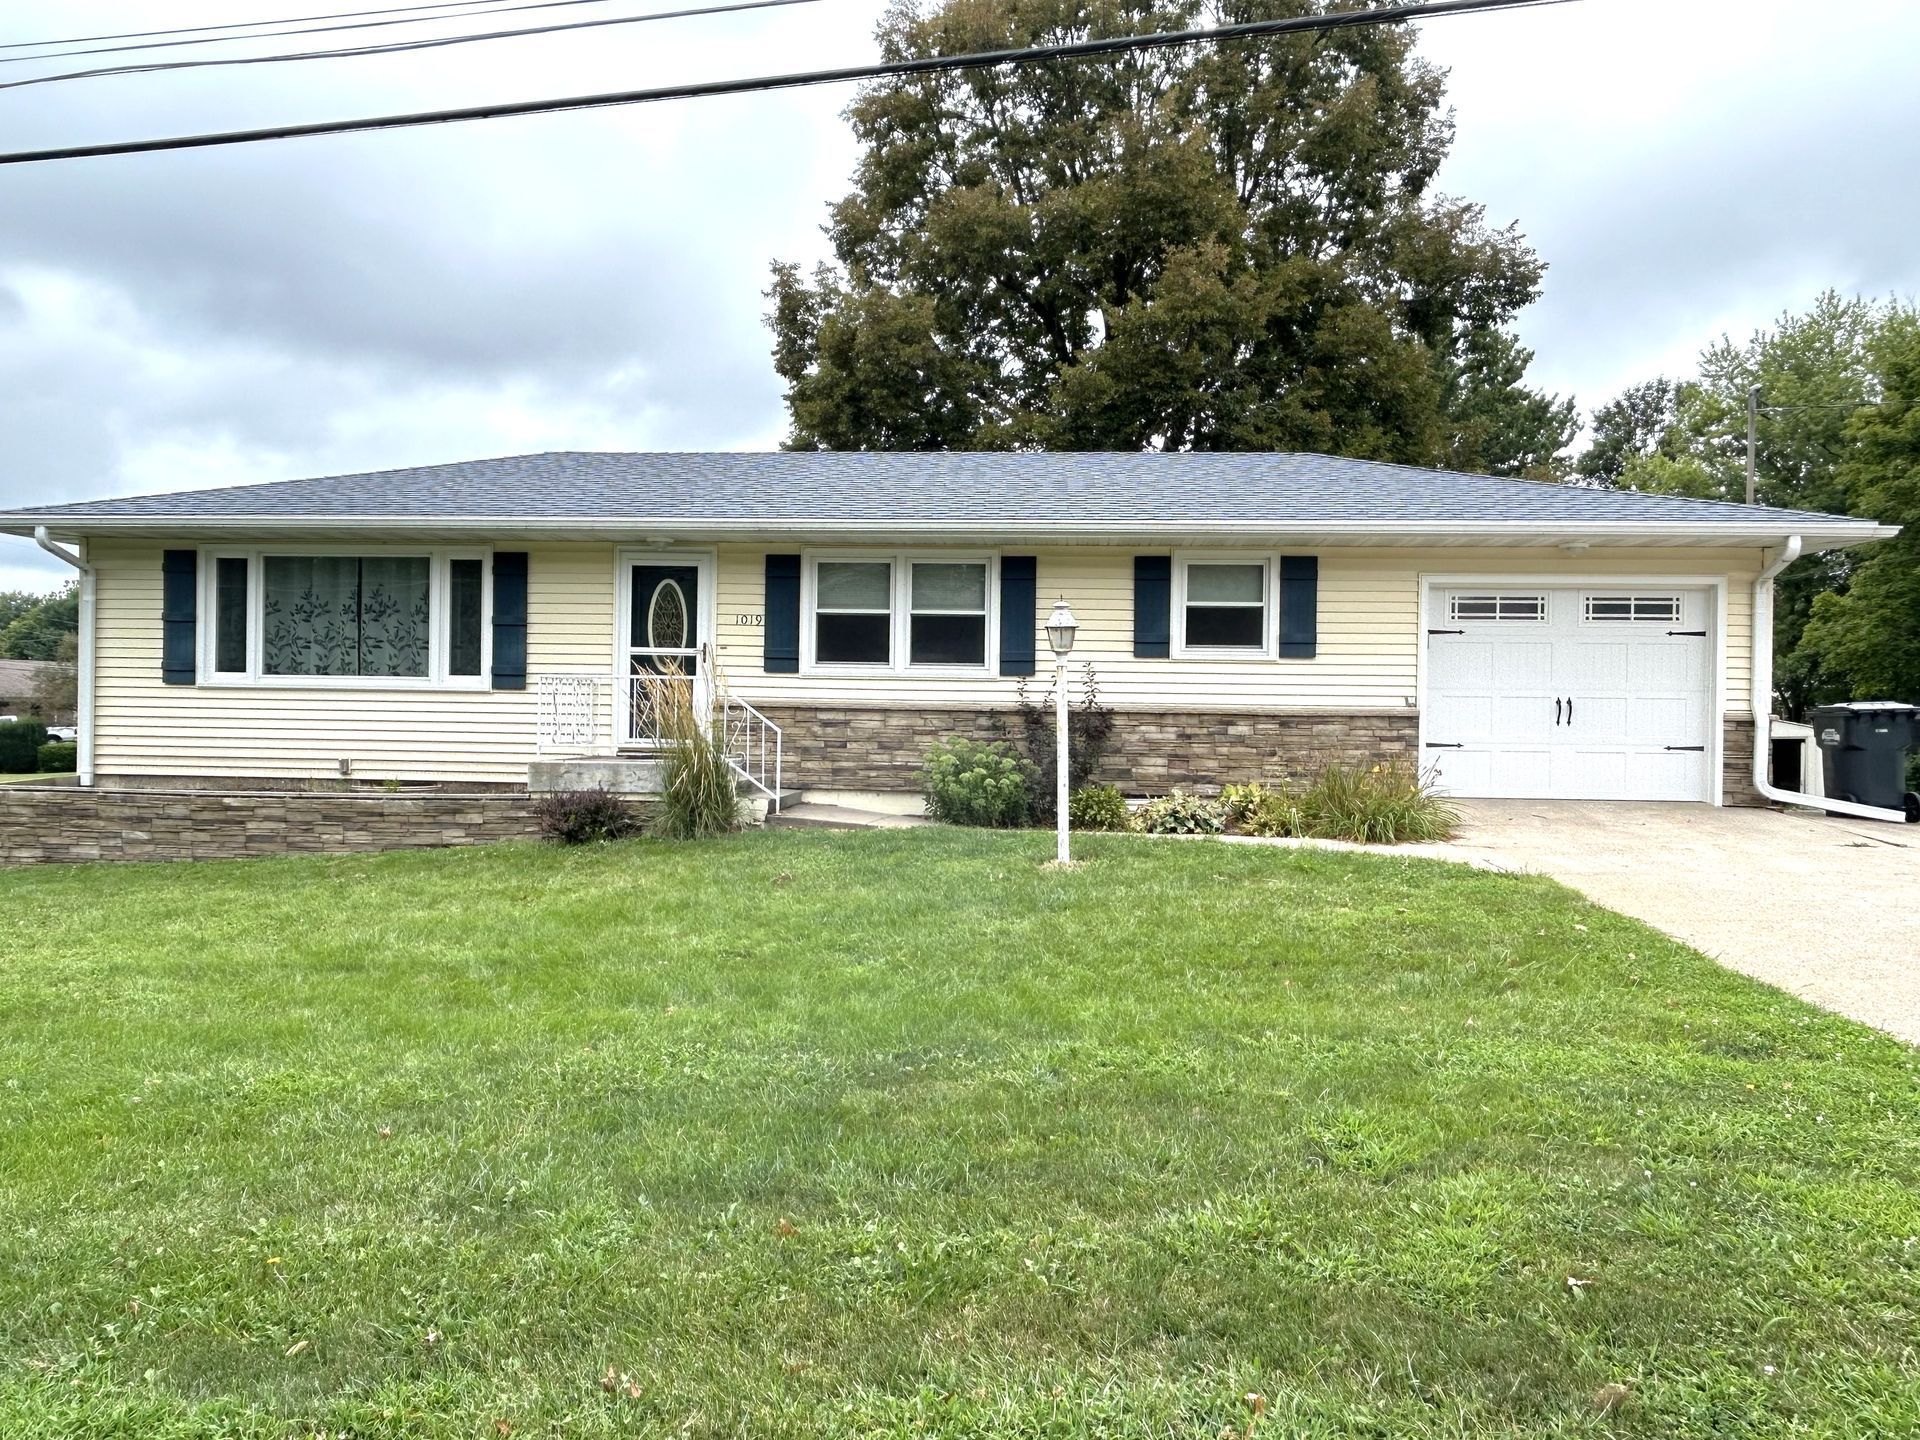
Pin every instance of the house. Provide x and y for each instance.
(19, 688)
(1240, 613)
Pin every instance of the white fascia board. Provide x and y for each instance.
(1829, 535)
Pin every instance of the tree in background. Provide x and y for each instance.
(1225, 247)
(33, 631)
(1867, 637)
(1690, 438)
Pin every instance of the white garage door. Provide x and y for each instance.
(1541, 692)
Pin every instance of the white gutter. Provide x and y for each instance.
(83, 666)
(1763, 698)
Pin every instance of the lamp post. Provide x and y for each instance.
(1060, 632)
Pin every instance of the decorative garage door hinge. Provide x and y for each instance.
(1446, 632)
(1686, 747)
(1701, 633)
(1445, 745)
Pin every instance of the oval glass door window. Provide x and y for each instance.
(667, 617)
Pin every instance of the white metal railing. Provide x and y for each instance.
(752, 744)
(572, 711)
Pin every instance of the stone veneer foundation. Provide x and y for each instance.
(849, 747)
(40, 824)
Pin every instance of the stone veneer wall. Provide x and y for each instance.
(880, 748)
(44, 824)
(1736, 763)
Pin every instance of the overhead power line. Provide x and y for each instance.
(242, 24)
(398, 46)
(980, 60)
(493, 7)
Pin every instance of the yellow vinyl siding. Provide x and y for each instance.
(143, 727)
(1369, 631)
(1369, 647)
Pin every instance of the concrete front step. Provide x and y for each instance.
(810, 815)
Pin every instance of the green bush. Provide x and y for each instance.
(1276, 812)
(1387, 804)
(1098, 807)
(20, 742)
(975, 782)
(59, 757)
(1183, 814)
(584, 817)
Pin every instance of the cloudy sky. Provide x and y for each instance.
(593, 280)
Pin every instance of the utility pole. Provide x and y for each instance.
(1753, 422)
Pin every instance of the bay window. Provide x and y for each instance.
(384, 618)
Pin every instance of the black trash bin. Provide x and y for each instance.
(1863, 747)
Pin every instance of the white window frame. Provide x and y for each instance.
(439, 595)
(1269, 564)
(900, 611)
(1675, 607)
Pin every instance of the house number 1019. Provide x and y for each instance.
(749, 619)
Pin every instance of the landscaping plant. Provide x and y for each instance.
(584, 817)
(1089, 733)
(1183, 814)
(976, 782)
(699, 795)
(1391, 803)
(1098, 807)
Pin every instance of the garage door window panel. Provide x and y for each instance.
(1498, 607)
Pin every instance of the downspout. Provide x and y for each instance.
(1763, 699)
(83, 664)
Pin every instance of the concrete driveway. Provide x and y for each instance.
(1826, 909)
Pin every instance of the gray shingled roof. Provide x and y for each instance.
(818, 488)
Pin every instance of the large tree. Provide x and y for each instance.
(33, 632)
(1867, 637)
(1225, 247)
(1690, 438)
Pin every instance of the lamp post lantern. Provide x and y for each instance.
(1061, 627)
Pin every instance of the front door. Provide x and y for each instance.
(665, 649)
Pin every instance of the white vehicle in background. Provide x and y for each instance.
(68, 733)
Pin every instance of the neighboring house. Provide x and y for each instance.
(1243, 613)
(19, 680)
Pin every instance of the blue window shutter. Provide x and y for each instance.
(179, 617)
(1299, 606)
(509, 619)
(1018, 580)
(1152, 606)
(780, 635)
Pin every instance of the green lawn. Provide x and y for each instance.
(901, 1134)
(39, 779)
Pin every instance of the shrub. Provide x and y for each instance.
(1098, 807)
(20, 742)
(976, 782)
(1277, 812)
(698, 793)
(1183, 814)
(1243, 801)
(583, 817)
(59, 757)
(1387, 804)
(1089, 732)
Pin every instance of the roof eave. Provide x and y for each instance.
(1820, 533)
